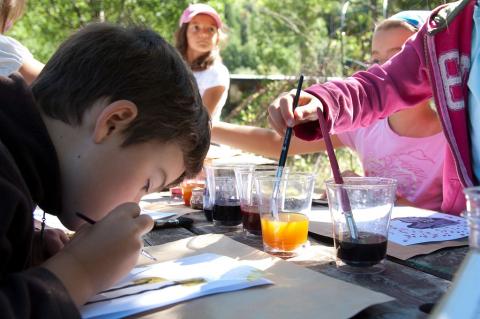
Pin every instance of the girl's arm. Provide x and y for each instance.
(361, 99)
(30, 69)
(262, 141)
(211, 97)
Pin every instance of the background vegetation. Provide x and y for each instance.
(265, 37)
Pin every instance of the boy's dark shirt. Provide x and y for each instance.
(29, 175)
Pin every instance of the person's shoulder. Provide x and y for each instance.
(443, 16)
(11, 45)
(219, 68)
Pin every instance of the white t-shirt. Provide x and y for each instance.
(12, 55)
(216, 75)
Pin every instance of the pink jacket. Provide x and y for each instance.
(436, 59)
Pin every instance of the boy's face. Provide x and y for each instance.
(116, 175)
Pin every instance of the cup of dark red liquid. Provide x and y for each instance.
(221, 201)
(371, 199)
(249, 201)
(226, 207)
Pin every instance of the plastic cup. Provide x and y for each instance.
(371, 202)
(285, 232)
(472, 195)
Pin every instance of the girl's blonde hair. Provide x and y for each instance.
(393, 24)
(10, 10)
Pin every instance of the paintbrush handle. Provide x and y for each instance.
(337, 176)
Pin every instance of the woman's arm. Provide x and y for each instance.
(211, 97)
(262, 141)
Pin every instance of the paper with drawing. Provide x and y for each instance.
(298, 292)
(410, 226)
(170, 282)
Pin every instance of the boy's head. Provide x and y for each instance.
(124, 114)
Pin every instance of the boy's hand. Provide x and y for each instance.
(101, 254)
(281, 116)
(53, 241)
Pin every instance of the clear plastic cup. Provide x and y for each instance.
(284, 203)
(361, 235)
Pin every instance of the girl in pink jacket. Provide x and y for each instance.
(436, 60)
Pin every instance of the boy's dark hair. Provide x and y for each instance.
(106, 63)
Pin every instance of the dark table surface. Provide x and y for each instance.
(416, 283)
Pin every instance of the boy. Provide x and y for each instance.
(114, 115)
(438, 58)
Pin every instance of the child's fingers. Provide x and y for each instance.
(279, 129)
(286, 109)
(144, 224)
(308, 110)
(276, 118)
(63, 237)
(127, 210)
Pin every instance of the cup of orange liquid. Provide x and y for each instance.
(283, 204)
(187, 186)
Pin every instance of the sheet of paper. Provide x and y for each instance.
(163, 206)
(410, 226)
(50, 220)
(157, 215)
(320, 223)
(156, 285)
(298, 292)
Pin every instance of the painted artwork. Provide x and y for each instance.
(410, 226)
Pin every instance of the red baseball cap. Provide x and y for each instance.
(200, 8)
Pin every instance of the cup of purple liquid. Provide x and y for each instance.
(371, 201)
(226, 208)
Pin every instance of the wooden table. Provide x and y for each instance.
(415, 283)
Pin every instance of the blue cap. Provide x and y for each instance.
(415, 18)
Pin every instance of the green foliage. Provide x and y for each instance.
(265, 37)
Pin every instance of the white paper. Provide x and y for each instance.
(411, 226)
(50, 220)
(157, 215)
(221, 274)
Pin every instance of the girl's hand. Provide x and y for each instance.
(281, 116)
(101, 254)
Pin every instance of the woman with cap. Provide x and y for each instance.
(198, 40)
(403, 146)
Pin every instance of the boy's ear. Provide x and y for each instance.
(114, 118)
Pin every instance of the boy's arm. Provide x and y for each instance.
(35, 293)
(367, 96)
(32, 293)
